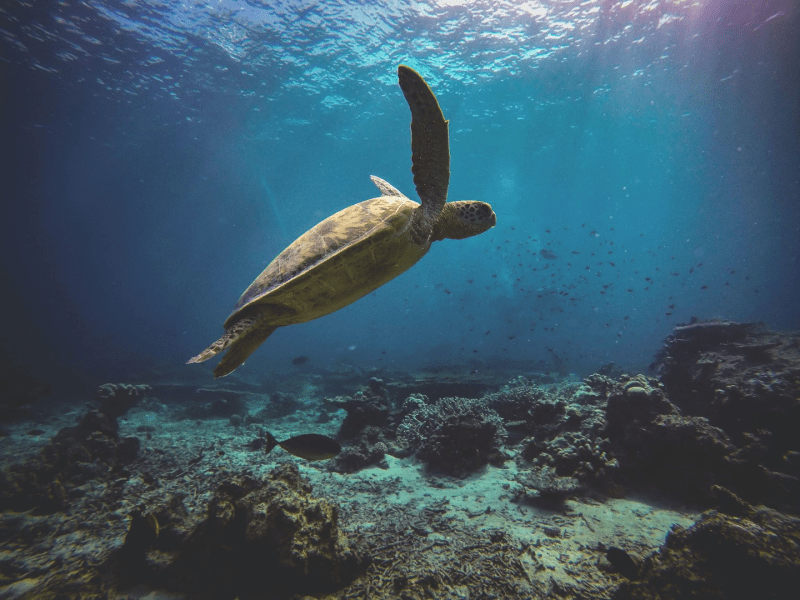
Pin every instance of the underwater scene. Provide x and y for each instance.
(439, 299)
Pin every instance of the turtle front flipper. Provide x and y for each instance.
(430, 144)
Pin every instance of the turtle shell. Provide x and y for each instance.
(343, 258)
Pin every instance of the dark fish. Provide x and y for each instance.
(547, 254)
(310, 446)
(300, 360)
(36, 432)
(622, 562)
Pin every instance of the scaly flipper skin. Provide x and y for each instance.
(386, 188)
(242, 349)
(231, 336)
(430, 145)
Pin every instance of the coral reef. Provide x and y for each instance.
(727, 413)
(573, 455)
(739, 552)
(561, 452)
(214, 404)
(523, 401)
(116, 399)
(92, 450)
(280, 405)
(454, 436)
(193, 509)
(367, 407)
(544, 486)
(260, 535)
(368, 451)
(741, 377)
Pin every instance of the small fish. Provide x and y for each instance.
(300, 360)
(547, 254)
(310, 446)
(36, 432)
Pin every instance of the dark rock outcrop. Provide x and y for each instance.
(746, 552)
(261, 538)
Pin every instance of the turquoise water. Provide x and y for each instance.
(158, 155)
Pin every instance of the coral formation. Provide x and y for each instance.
(75, 455)
(192, 512)
(367, 407)
(660, 447)
(573, 455)
(270, 534)
(116, 399)
(215, 405)
(369, 450)
(561, 451)
(280, 405)
(454, 436)
(748, 552)
(741, 377)
(544, 486)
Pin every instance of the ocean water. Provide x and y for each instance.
(642, 157)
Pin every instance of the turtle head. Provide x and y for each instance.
(463, 219)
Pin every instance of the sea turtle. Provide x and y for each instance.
(357, 250)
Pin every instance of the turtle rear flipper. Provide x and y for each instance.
(233, 333)
(241, 350)
(240, 339)
(386, 188)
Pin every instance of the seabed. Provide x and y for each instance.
(196, 509)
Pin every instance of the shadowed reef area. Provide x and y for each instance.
(684, 482)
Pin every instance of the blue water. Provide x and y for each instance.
(157, 156)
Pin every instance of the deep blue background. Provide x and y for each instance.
(148, 179)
